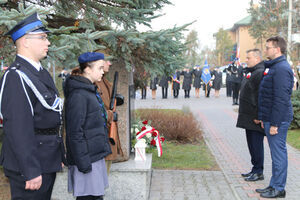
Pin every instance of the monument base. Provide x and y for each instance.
(130, 180)
(127, 180)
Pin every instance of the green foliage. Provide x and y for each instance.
(224, 46)
(293, 138)
(78, 26)
(192, 48)
(296, 108)
(269, 18)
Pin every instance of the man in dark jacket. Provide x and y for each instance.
(248, 113)
(236, 77)
(164, 83)
(31, 152)
(276, 112)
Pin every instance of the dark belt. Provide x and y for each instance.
(47, 131)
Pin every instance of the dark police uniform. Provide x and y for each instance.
(31, 144)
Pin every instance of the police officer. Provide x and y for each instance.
(31, 109)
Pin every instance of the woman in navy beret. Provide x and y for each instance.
(87, 139)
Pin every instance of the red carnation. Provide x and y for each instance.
(153, 143)
(143, 128)
(154, 133)
(145, 122)
(138, 132)
(162, 139)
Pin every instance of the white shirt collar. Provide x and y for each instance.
(36, 65)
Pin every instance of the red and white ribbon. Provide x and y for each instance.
(266, 71)
(157, 139)
(144, 132)
(158, 144)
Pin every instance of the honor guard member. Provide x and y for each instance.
(31, 110)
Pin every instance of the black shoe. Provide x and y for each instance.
(264, 190)
(273, 193)
(246, 175)
(255, 177)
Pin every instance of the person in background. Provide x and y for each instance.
(63, 75)
(236, 71)
(228, 82)
(176, 83)
(187, 82)
(86, 129)
(153, 86)
(164, 84)
(248, 113)
(275, 111)
(217, 81)
(197, 72)
(32, 150)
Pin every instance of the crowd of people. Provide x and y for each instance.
(33, 148)
(185, 80)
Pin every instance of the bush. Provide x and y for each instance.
(296, 108)
(173, 124)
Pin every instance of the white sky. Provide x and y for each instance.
(210, 15)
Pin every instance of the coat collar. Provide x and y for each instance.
(270, 63)
(42, 75)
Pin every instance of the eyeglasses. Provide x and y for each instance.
(40, 37)
(269, 47)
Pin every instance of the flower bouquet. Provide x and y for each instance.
(148, 135)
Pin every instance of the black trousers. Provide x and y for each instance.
(175, 93)
(235, 90)
(228, 88)
(186, 93)
(144, 93)
(255, 141)
(164, 92)
(17, 186)
(208, 92)
(89, 197)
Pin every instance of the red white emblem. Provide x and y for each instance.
(248, 75)
(266, 71)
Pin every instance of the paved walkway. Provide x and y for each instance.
(228, 145)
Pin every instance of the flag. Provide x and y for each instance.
(237, 56)
(174, 78)
(205, 73)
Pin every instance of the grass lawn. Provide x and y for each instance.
(185, 157)
(293, 138)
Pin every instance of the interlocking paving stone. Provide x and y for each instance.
(228, 144)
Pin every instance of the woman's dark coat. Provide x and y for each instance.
(217, 82)
(153, 83)
(274, 99)
(197, 78)
(87, 137)
(187, 80)
(248, 109)
(176, 85)
(164, 81)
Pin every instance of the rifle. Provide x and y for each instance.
(112, 106)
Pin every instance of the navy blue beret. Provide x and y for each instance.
(31, 24)
(90, 56)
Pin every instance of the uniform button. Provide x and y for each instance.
(46, 96)
(41, 143)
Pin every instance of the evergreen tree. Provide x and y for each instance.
(107, 25)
